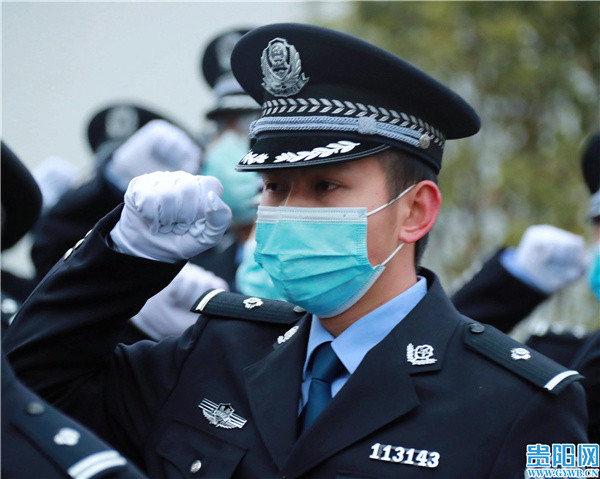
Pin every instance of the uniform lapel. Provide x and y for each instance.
(273, 386)
(381, 390)
(378, 392)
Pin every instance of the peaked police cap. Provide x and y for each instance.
(328, 97)
(215, 65)
(117, 122)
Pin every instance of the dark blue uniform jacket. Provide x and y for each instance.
(469, 414)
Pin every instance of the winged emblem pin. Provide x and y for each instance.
(221, 415)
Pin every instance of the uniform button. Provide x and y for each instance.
(78, 244)
(68, 253)
(67, 437)
(299, 309)
(35, 408)
(477, 328)
(196, 466)
(9, 306)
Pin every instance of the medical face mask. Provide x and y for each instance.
(251, 279)
(594, 272)
(241, 190)
(317, 257)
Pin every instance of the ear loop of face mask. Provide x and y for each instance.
(385, 206)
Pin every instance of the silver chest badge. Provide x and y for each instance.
(221, 415)
(282, 68)
(420, 355)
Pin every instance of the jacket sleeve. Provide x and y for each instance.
(69, 220)
(546, 419)
(494, 296)
(63, 342)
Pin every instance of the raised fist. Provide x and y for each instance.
(171, 216)
(157, 146)
(551, 257)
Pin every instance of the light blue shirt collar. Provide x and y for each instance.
(355, 342)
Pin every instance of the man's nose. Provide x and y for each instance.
(299, 197)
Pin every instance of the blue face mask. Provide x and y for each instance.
(317, 257)
(241, 191)
(251, 279)
(594, 272)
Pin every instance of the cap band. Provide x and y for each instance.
(236, 102)
(363, 125)
(337, 109)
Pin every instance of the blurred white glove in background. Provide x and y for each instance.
(550, 257)
(171, 216)
(157, 146)
(54, 176)
(168, 312)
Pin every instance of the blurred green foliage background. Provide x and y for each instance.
(531, 70)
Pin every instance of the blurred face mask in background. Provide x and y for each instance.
(594, 271)
(241, 191)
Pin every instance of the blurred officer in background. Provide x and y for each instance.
(127, 141)
(515, 281)
(37, 440)
(373, 373)
(79, 209)
(226, 144)
(21, 206)
(55, 177)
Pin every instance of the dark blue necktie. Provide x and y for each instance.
(326, 366)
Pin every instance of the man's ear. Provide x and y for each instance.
(419, 211)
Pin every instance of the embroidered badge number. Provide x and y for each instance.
(401, 455)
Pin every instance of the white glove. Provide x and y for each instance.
(552, 258)
(171, 216)
(168, 312)
(157, 146)
(54, 176)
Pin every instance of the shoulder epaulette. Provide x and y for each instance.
(221, 303)
(522, 360)
(51, 432)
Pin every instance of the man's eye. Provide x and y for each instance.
(271, 186)
(325, 186)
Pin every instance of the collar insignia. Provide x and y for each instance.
(519, 353)
(287, 335)
(420, 355)
(282, 69)
(221, 415)
(251, 303)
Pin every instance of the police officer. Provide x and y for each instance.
(373, 373)
(38, 441)
(514, 281)
(78, 210)
(550, 260)
(226, 143)
(21, 206)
